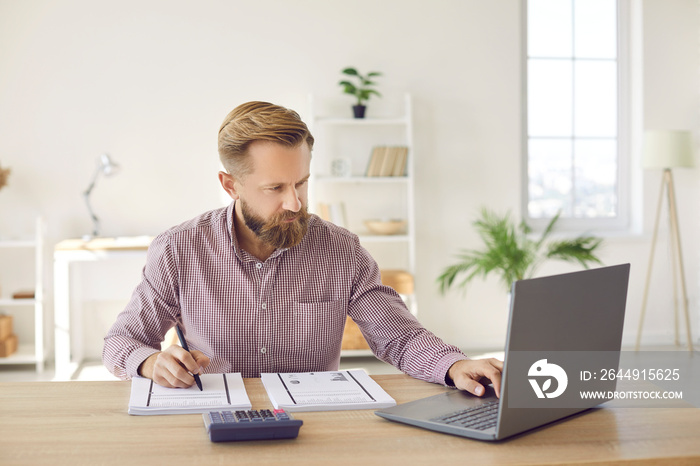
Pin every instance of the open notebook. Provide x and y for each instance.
(220, 392)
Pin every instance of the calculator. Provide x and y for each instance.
(264, 424)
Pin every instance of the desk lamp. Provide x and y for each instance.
(107, 167)
(667, 150)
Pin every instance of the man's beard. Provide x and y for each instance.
(276, 232)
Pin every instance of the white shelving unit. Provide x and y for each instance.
(391, 197)
(28, 314)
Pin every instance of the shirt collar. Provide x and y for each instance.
(230, 212)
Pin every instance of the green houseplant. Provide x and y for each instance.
(361, 90)
(512, 254)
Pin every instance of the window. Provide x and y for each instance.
(576, 113)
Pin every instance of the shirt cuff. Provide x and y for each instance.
(443, 365)
(135, 359)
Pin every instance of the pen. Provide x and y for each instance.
(183, 343)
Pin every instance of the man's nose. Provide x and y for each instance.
(292, 201)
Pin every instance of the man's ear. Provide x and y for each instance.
(228, 182)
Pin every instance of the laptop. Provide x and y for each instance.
(563, 332)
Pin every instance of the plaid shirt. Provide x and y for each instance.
(286, 314)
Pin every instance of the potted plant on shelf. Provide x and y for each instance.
(512, 254)
(362, 90)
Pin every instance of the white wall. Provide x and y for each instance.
(671, 85)
(150, 81)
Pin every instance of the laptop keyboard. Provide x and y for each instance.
(480, 417)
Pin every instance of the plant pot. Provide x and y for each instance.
(359, 110)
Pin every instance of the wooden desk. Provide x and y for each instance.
(86, 423)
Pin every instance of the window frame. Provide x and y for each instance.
(623, 220)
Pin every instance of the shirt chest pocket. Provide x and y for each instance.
(318, 327)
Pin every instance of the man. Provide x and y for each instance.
(263, 286)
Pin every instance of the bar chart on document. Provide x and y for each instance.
(321, 391)
(325, 388)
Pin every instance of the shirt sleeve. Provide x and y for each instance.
(153, 309)
(392, 332)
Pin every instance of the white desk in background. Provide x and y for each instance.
(69, 354)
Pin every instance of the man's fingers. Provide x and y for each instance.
(172, 368)
(201, 359)
(492, 371)
(467, 375)
(185, 358)
(497, 363)
(473, 387)
(169, 380)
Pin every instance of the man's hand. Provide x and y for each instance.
(173, 368)
(468, 375)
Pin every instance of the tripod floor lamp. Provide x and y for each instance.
(666, 150)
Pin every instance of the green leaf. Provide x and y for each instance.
(580, 250)
(362, 90)
(509, 252)
(348, 85)
(349, 88)
(548, 229)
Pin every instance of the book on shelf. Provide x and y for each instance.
(399, 167)
(387, 161)
(333, 212)
(375, 161)
(387, 165)
(23, 294)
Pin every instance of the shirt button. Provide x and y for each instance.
(258, 265)
(264, 306)
(263, 350)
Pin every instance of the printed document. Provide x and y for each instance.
(220, 392)
(325, 391)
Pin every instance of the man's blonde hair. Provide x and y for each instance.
(258, 121)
